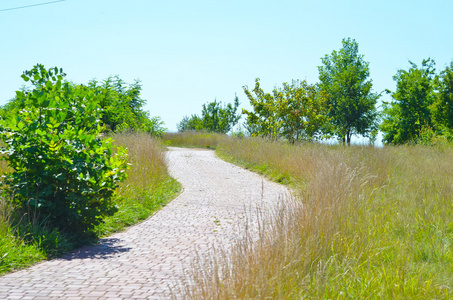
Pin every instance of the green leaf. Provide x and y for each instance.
(20, 94)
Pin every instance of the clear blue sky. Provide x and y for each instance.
(187, 53)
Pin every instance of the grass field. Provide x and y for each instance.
(147, 188)
(373, 223)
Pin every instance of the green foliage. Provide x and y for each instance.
(264, 120)
(344, 78)
(214, 118)
(218, 118)
(302, 108)
(61, 167)
(193, 123)
(443, 102)
(123, 107)
(426, 136)
(296, 111)
(410, 110)
(153, 126)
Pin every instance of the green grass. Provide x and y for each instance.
(373, 223)
(14, 254)
(147, 188)
(132, 212)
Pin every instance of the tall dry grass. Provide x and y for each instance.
(146, 158)
(367, 223)
(148, 185)
(194, 139)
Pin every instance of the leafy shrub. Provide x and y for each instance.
(122, 107)
(63, 169)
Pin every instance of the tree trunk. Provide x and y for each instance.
(349, 137)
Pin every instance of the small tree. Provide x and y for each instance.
(296, 111)
(194, 123)
(214, 118)
(61, 167)
(218, 118)
(302, 109)
(264, 120)
(344, 78)
(410, 111)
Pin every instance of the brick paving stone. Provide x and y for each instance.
(146, 260)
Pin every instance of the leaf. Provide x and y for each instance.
(40, 132)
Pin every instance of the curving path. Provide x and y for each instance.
(144, 261)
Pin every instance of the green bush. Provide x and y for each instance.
(62, 169)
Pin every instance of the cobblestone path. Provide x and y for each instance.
(144, 261)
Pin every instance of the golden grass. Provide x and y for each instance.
(194, 139)
(374, 223)
(147, 163)
(148, 186)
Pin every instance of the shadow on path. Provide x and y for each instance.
(106, 249)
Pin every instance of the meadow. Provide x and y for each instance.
(364, 223)
(147, 188)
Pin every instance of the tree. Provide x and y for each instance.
(123, 107)
(218, 118)
(410, 111)
(192, 123)
(294, 112)
(264, 119)
(443, 100)
(352, 104)
(152, 125)
(61, 168)
(302, 109)
(214, 118)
